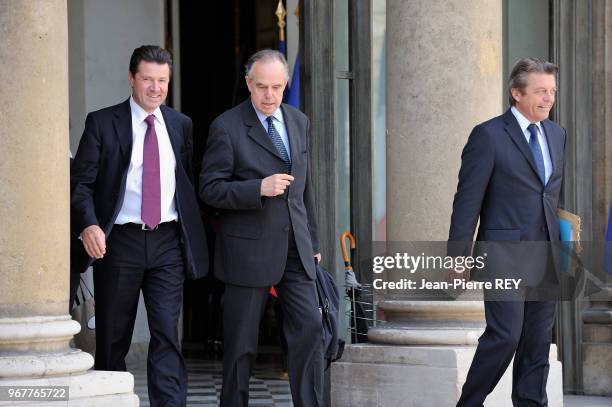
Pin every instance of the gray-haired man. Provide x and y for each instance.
(256, 172)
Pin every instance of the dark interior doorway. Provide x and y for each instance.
(216, 39)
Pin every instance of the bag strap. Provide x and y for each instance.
(77, 300)
(84, 284)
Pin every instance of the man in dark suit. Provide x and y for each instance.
(134, 203)
(255, 171)
(511, 181)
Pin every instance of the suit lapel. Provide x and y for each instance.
(552, 143)
(122, 124)
(518, 138)
(173, 132)
(256, 131)
(292, 133)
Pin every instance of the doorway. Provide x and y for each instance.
(216, 39)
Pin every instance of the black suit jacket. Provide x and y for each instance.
(99, 173)
(499, 185)
(251, 246)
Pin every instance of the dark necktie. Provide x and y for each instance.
(150, 210)
(278, 143)
(536, 150)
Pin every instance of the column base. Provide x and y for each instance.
(597, 362)
(387, 376)
(597, 351)
(92, 389)
(37, 346)
(419, 336)
(433, 323)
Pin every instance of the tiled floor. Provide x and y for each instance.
(268, 387)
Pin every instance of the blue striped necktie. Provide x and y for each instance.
(278, 143)
(536, 150)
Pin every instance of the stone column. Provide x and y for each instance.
(444, 67)
(444, 76)
(597, 316)
(35, 327)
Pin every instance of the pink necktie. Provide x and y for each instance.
(151, 189)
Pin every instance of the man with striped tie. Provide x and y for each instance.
(135, 207)
(256, 172)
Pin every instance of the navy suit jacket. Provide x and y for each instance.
(499, 185)
(99, 173)
(251, 246)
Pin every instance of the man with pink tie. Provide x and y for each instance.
(135, 207)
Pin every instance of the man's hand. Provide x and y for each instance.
(275, 184)
(94, 241)
(317, 258)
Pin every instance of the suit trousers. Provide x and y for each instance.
(519, 329)
(302, 326)
(152, 261)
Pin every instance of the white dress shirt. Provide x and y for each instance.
(523, 124)
(279, 125)
(132, 201)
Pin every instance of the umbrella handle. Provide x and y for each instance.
(345, 253)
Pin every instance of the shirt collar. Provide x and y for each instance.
(278, 115)
(523, 122)
(139, 114)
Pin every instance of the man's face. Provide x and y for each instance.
(150, 85)
(537, 98)
(267, 83)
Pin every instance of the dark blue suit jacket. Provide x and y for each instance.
(99, 173)
(499, 185)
